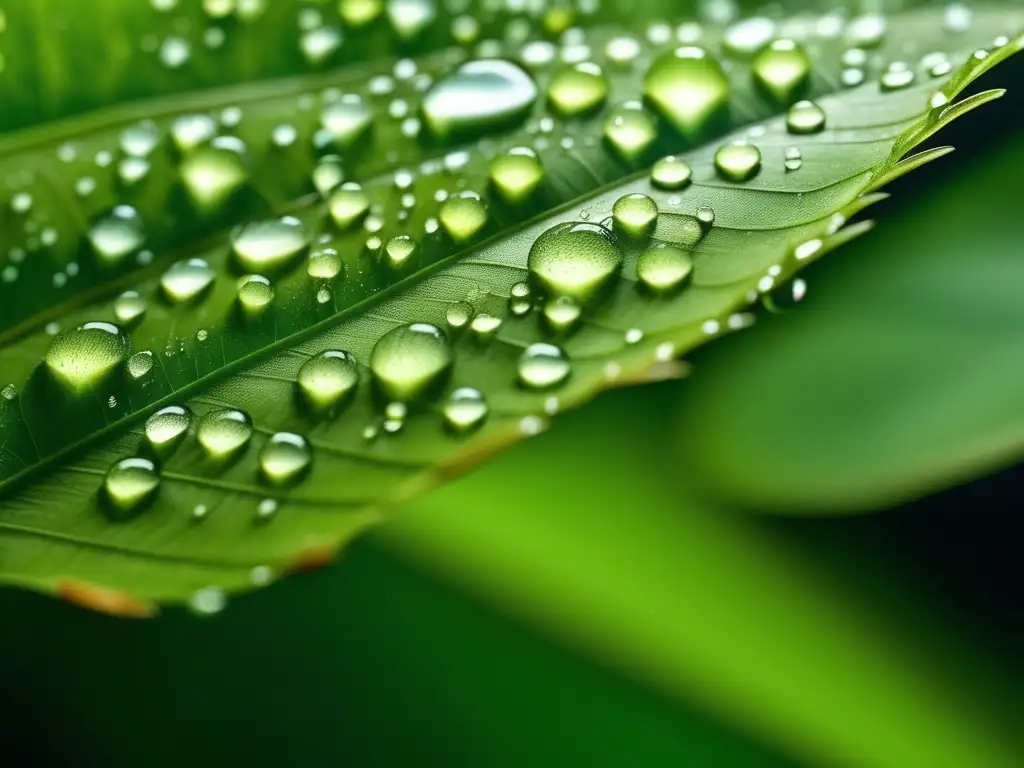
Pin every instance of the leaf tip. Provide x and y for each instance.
(112, 602)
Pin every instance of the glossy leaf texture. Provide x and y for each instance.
(419, 276)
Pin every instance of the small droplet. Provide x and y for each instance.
(410, 17)
(517, 174)
(189, 131)
(327, 381)
(786, 296)
(319, 44)
(346, 120)
(745, 38)
(140, 139)
(186, 280)
(897, 76)
(480, 96)
(325, 264)
(129, 308)
(578, 89)
(664, 268)
(130, 485)
(459, 315)
(630, 130)
(738, 162)
(269, 245)
(266, 510)
(224, 433)
(399, 251)
(562, 314)
(464, 410)
(285, 458)
(575, 259)
(117, 234)
(140, 364)
(867, 31)
(255, 294)
(805, 117)
(543, 366)
(208, 601)
(328, 174)
(83, 359)
(689, 88)
(671, 173)
(485, 327)
(782, 70)
(348, 205)
(213, 172)
(166, 428)
(410, 361)
(463, 216)
(706, 216)
(794, 159)
(635, 215)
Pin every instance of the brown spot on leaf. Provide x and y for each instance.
(112, 602)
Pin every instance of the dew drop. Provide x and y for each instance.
(129, 308)
(630, 130)
(664, 268)
(208, 601)
(738, 162)
(410, 361)
(635, 215)
(485, 327)
(266, 510)
(782, 70)
(255, 294)
(706, 216)
(459, 315)
(897, 76)
(117, 234)
(224, 433)
(327, 381)
(285, 458)
(561, 314)
(465, 409)
(867, 31)
(688, 88)
(213, 172)
(328, 173)
(325, 264)
(786, 296)
(346, 120)
(805, 117)
(189, 131)
(577, 89)
(186, 280)
(84, 358)
(399, 252)
(166, 428)
(671, 173)
(517, 174)
(319, 44)
(463, 216)
(140, 139)
(410, 17)
(140, 364)
(543, 366)
(747, 37)
(130, 484)
(348, 205)
(269, 245)
(359, 13)
(479, 96)
(575, 259)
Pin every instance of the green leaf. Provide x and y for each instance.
(911, 360)
(172, 520)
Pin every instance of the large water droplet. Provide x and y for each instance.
(480, 95)
(630, 130)
(465, 410)
(805, 117)
(574, 259)
(186, 280)
(166, 428)
(410, 361)
(517, 174)
(577, 89)
(117, 234)
(224, 433)
(285, 458)
(543, 366)
(269, 245)
(328, 380)
(84, 358)
(463, 216)
(215, 171)
(782, 70)
(129, 485)
(689, 88)
(635, 215)
(737, 162)
(664, 268)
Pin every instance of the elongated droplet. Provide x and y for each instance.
(738, 161)
(129, 485)
(479, 96)
(224, 433)
(574, 259)
(630, 130)
(186, 280)
(83, 359)
(543, 366)
(664, 268)
(129, 308)
(805, 117)
(285, 458)
(517, 174)
(689, 88)
(166, 428)
(465, 410)
(635, 215)
(578, 89)
(463, 216)
(782, 70)
(327, 381)
(117, 234)
(410, 361)
(267, 246)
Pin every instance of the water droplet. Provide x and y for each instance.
(517, 174)
(189, 131)
(635, 215)
(867, 31)
(747, 37)
(269, 245)
(664, 268)
(706, 216)
(399, 252)
(359, 13)
(140, 364)
(689, 88)
(266, 510)
(562, 314)
(805, 117)
(485, 327)
(348, 205)
(463, 216)
(84, 358)
(140, 139)
(410, 17)
(671, 173)
(794, 159)
(129, 308)
(132, 170)
(130, 484)
(255, 293)
(737, 162)
(328, 173)
(186, 280)
(630, 130)
(785, 297)
(325, 264)
(224, 433)
(897, 76)
(410, 361)
(465, 410)
(166, 428)
(957, 17)
(575, 259)
(117, 234)
(9, 392)
(319, 44)
(208, 601)
(577, 89)
(479, 96)
(175, 52)
(543, 366)
(285, 458)
(783, 70)
(213, 172)
(459, 315)
(328, 380)
(346, 120)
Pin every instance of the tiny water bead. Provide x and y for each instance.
(630, 130)
(214, 171)
(688, 88)
(186, 280)
(327, 381)
(635, 215)
(224, 433)
(543, 366)
(664, 268)
(130, 484)
(671, 173)
(517, 174)
(285, 458)
(786, 296)
(348, 205)
(130, 307)
(269, 245)
(346, 120)
(117, 234)
(463, 216)
(577, 89)
(410, 361)
(167, 427)
(738, 162)
(561, 314)
(706, 216)
(805, 117)
(459, 315)
(84, 358)
(480, 95)
(464, 410)
(399, 251)
(782, 70)
(255, 293)
(575, 259)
